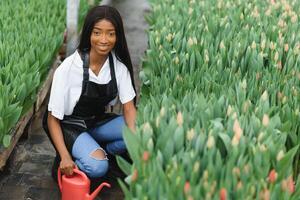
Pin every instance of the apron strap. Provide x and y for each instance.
(86, 62)
(112, 70)
(113, 76)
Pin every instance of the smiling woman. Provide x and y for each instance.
(103, 40)
(85, 83)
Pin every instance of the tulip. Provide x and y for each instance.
(187, 187)
(272, 176)
(146, 156)
(223, 194)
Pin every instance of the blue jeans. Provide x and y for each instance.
(87, 142)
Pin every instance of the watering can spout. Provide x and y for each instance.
(96, 191)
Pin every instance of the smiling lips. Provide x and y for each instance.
(103, 47)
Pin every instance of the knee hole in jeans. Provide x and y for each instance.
(99, 154)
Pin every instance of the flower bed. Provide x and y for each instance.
(218, 116)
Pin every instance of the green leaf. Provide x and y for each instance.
(6, 140)
(12, 115)
(179, 138)
(124, 165)
(124, 189)
(226, 141)
(286, 162)
(132, 144)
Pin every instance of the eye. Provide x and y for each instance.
(112, 34)
(96, 32)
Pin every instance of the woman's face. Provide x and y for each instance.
(103, 37)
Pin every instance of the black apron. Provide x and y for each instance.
(89, 111)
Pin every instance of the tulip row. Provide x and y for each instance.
(218, 116)
(31, 34)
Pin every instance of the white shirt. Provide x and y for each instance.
(67, 84)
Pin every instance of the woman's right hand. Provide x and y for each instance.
(66, 166)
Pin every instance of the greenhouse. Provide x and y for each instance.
(157, 99)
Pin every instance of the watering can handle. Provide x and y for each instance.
(77, 171)
(59, 176)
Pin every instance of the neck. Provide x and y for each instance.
(96, 60)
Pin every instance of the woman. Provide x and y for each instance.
(83, 86)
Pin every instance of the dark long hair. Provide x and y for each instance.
(111, 14)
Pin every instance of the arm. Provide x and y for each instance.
(129, 112)
(66, 164)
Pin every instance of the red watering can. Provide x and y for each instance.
(77, 186)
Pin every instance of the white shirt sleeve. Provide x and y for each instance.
(56, 101)
(125, 88)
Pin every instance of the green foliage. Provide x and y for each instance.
(219, 102)
(31, 34)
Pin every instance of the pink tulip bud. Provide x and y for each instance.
(291, 185)
(134, 175)
(146, 156)
(187, 187)
(223, 194)
(272, 176)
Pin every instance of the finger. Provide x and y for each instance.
(69, 171)
(62, 170)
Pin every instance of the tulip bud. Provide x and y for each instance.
(272, 45)
(265, 96)
(238, 131)
(222, 46)
(279, 95)
(210, 142)
(176, 60)
(229, 110)
(279, 65)
(276, 56)
(146, 156)
(150, 144)
(235, 141)
(239, 185)
(190, 42)
(196, 167)
(291, 185)
(187, 187)
(169, 37)
(223, 194)
(157, 121)
(272, 176)
(179, 119)
(286, 47)
(134, 175)
(147, 128)
(253, 45)
(279, 155)
(162, 111)
(205, 175)
(265, 194)
(236, 171)
(190, 134)
(265, 120)
(263, 44)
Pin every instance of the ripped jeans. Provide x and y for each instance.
(87, 143)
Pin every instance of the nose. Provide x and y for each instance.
(103, 38)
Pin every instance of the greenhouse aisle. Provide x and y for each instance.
(27, 174)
